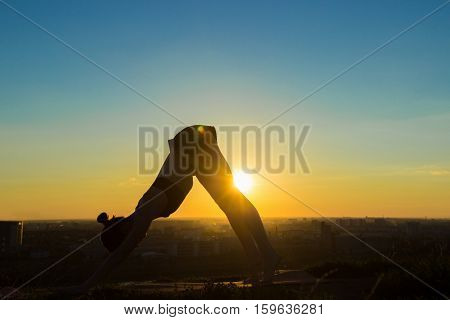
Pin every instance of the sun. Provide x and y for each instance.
(243, 181)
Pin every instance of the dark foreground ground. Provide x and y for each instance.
(346, 280)
(318, 265)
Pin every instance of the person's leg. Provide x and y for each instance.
(248, 243)
(174, 186)
(197, 147)
(241, 213)
(245, 220)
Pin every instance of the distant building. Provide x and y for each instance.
(11, 234)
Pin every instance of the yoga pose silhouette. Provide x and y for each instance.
(193, 152)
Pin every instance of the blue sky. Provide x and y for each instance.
(176, 52)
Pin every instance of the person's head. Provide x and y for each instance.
(115, 230)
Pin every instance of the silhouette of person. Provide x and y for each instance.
(193, 152)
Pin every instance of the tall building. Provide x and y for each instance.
(11, 234)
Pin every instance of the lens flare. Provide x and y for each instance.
(243, 181)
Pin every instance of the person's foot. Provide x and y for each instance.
(270, 266)
(254, 279)
(255, 272)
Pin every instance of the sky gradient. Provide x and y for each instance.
(380, 138)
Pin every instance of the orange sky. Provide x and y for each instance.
(397, 193)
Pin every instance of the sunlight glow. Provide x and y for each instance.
(243, 181)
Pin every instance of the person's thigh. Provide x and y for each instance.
(219, 182)
(174, 186)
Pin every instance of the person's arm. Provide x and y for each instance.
(140, 226)
(144, 215)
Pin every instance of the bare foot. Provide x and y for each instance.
(270, 265)
(254, 279)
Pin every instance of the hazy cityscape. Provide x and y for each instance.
(206, 250)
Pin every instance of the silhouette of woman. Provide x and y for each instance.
(193, 152)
